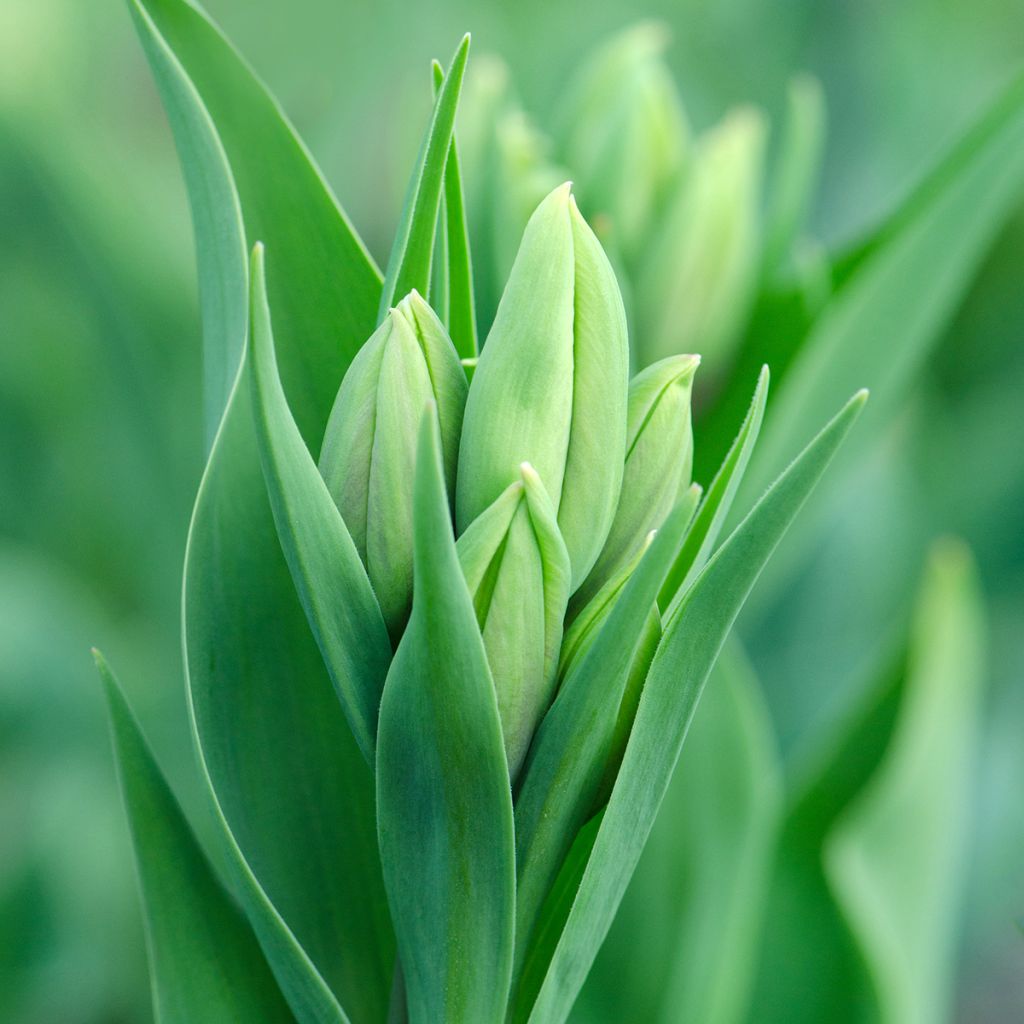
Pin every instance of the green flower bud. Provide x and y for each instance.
(550, 387)
(369, 449)
(624, 134)
(659, 461)
(698, 277)
(517, 570)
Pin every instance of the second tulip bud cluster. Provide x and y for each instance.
(557, 467)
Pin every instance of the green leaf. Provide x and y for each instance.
(701, 539)
(324, 287)
(255, 682)
(325, 566)
(880, 325)
(413, 248)
(683, 948)
(457, 267)
(897, 856)
(570, 751)
(205, 963)
(444, 802)
(692, 639)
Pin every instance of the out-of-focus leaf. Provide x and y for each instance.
(690, 644)
(796, 170)
(456, 270)
(328, 573)
(683, 946)
(896, 858)
(324, 287)
(570, 751)
(701, 540)
(413, 248)
(444, 801)
(205, 963)
(881, 323)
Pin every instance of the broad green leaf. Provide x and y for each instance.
(683, 948)
(205, 964)
(796, 170)
(444, 802)
(324, 287)
(328, 573)
(692, 639)
(413, 248)
(878, 328)
(570, 750)
(701, 539)
(256, 682)
(897, 856)
(456, 267)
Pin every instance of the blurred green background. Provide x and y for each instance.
(100, 413)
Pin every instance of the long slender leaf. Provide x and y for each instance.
(205, 964)
(444, 802)
(570, 751)
(701, 539)
(413, 248)
(328, 573)
(691, 642)
(457, 267)
(324, 287)
(683, 948)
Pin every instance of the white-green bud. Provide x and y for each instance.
(659, 461)
(369, 450)
(550, 387)
(624, 134)
(517, 570)
(698, 277)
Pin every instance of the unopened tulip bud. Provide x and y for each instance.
(698, 276)
(550, 387)
(659, 460)
(517, 570)
(369, 449)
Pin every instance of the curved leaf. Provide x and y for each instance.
(205, 964)
(255, 682)
(325, 566)
(444, 803)
(692, 639)
(323, 286)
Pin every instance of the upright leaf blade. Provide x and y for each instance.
(413, 248)
(458, 267)
(324, 286)
(325, 566)
(691, 642)
(444, 802)
(205, 964)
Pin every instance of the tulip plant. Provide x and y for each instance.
(449, 607)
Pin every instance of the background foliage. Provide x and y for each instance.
(101, 415)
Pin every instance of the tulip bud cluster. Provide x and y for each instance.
(557, 467)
